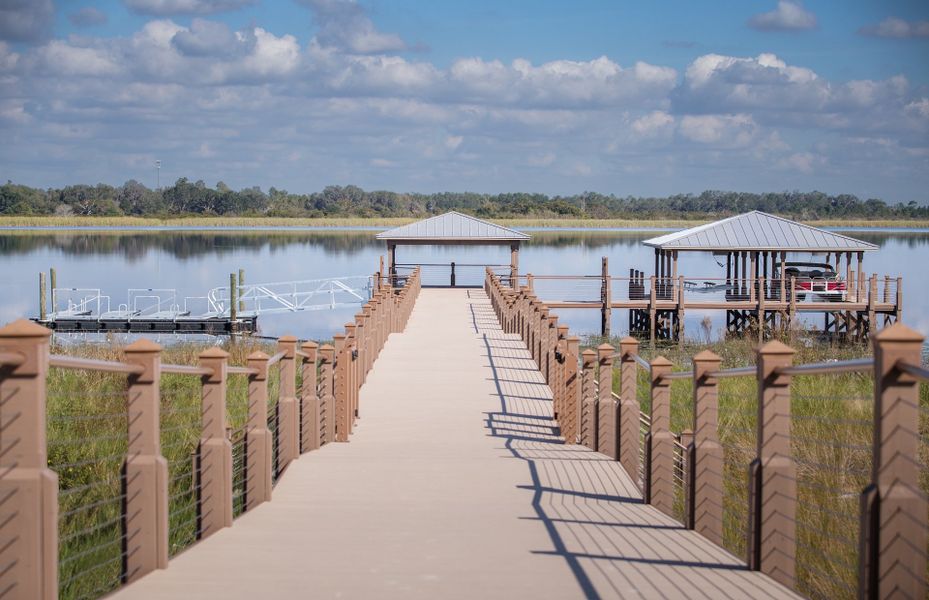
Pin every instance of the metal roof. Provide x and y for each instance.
(452, 227)
(758, 231)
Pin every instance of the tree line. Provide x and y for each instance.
(186, 198)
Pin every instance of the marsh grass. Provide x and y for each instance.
(273, 222)
(831, 437)
(87, 441)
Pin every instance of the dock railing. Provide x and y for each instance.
(834, 503)
(111, 475)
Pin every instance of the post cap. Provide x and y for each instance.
(287, 339)
(776, 347)
(661, 361)
(589, 353)
(258, 355)
(214, 352)
(706, 356)
(142, 345)
(898, 332)
(309, 345)
(628, 342)
(563, 329)
(24, 328)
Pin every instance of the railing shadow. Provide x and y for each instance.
(591, 509)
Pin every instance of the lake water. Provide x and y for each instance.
(195, 260)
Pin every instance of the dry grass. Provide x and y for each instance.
(831, 429)
(87, 422)
(275, 222)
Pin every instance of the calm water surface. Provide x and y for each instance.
(193, 261)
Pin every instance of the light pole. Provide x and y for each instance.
(157, 174)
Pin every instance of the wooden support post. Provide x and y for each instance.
(52, 286)
(214, 453)
(783, 275)
(514, 265)
(605, 297)
(43, 295)
(761, 310)
(30, 488)
(146, 470)
(893, 533)
(588, 410)
(309, 401)
(652, 311)
(287, 408)
(661, 475)
(872, 301)
(772, 539)
(707, 491)
(233, 305)
(628, 407)
(752, 276)
(258, 449)
(607, 411)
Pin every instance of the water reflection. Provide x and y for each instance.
(194, 261)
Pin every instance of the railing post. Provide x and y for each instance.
(628, 407)
(340, 388)
(288, 415)
(894, 537)
(588, 409)
(326, 400)
(772, 539)
(215, 449)
(146, 470)
(661, 465)
(29, 487)
(607, 412)
(707, 467)
(309, 401)
(258, 452)
(571, 424)
(560, 370)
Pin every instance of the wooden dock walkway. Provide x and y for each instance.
(455, 485)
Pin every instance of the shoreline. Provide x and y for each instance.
(51, 223)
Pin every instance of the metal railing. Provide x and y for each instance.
(109, 468)
(688, 474)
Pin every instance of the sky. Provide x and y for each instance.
(626, 98)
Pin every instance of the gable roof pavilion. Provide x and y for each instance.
(453, 228)
(757, 238)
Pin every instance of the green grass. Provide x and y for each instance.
(87, 422)
(272, 222)
(831, 429)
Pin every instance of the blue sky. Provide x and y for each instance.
(618, 97)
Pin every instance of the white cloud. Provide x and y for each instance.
(164, 8)
(894, 27)
(65, 59)
(655, 124)
(789, 15)
(26, 20)
(343, 24)
(722, 130)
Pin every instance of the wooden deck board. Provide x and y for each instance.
(455, 485)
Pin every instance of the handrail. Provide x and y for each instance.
(12, 359)
(827, 368)
(92, 364)
(185, 370)
(737, 372)
(241, 371)
(679, 375)
(916, 371)
(301, 353)
(642, 362)
(276, 358)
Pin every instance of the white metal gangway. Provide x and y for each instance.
(251, 300)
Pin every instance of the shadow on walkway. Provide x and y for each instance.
(591, 509)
